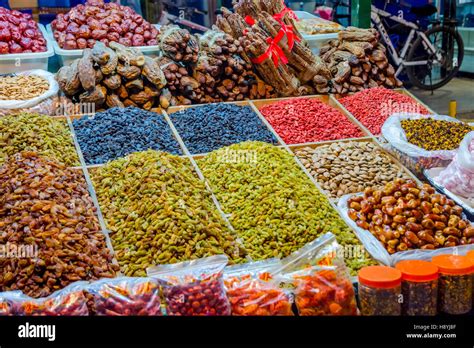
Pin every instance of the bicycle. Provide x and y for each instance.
(422, 56)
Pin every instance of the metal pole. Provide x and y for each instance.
(360, 13)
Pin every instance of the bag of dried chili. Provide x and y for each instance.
(125, 296)
(253, 291)
(319, 278)
(69, 301)
(193, 288)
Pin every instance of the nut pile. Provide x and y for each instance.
(403, 216)
(373, 106)
(22, 87)
(31, 132)
(45, 206)
(349, 167)
(159, 212)
(273, 205)
(431, 134)
(84, 25)
(210, 127)
(304, 120)
(117, 132)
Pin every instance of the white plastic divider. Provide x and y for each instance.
(92, 193)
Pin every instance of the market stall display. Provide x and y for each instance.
(19, 33)
(159, 212)
(222, 124)
(117, 132)
(94, 21)
(194, 288)
(380, 291)
(422, 142)
(419, 287)
(28, 91)
(373, 106)
(357, 61)
(49, 137)
(405, 216)
(38, 192)
(272, 204)
(115, 76)
(455, 283)
(306, 120)
(349, 167)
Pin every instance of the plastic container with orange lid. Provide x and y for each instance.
(380, 290)
(455, 283)
(470, 256)
(419, 287)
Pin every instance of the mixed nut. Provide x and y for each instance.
(22, 87)
(403, 216)
(159, 212)
(349, 167)
(47, 136)
(47, 208)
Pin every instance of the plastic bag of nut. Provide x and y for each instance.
(28, 91)
(404, 221)
(417, 158)
(69, 301)
(194, 288)
(253, 291)
(125, 296)
(319, 278)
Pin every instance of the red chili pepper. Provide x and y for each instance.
(373, 106)
(304, 120)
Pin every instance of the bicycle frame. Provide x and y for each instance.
(399, 59)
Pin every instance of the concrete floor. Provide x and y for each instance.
(459, 89)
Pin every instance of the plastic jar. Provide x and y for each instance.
(419, 287)
(470, 256)
(380, 290)
(455, 283)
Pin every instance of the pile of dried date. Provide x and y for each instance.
(47, 217)
(404, 216)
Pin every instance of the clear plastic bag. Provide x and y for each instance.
(375, 248)
(194, 288)
(253, 291)
(412, 156)
(125, 296)
(43, 104)
(320, 279)
(9, 302)
(70, 301)
(458, 177)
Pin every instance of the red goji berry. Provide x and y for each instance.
(373, 106)
(304, 120)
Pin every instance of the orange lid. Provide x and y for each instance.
(453, 264)
(380, 277)
(417, 270)
(470, 255)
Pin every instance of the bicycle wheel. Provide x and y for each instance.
(434, 75)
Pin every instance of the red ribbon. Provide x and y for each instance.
(274, 52)
(289, 30)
